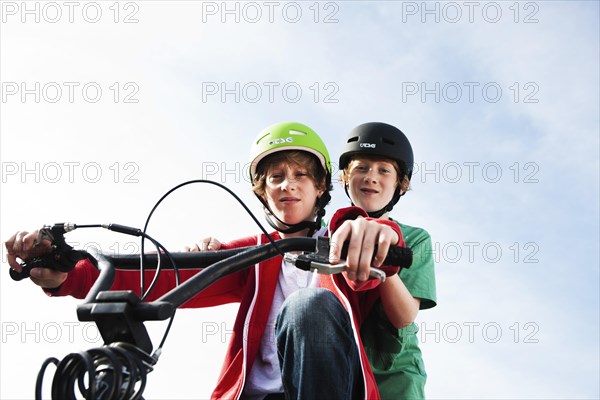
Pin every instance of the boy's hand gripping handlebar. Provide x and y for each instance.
(61, 257)
(319, 260)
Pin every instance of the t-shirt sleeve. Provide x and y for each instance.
(419, 279)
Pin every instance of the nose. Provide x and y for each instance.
(289, 182)
(370, 176)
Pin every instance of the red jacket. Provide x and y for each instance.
(253, 288)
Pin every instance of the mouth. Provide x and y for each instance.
(289, 200)
(369, 191)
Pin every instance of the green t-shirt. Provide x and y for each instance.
(394, 354)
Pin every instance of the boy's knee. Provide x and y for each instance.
(309, 301)
(310, 308)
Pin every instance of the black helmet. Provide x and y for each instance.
(379, 139)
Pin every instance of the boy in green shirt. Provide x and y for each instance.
(376, 164)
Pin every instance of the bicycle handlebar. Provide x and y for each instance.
(120, 315)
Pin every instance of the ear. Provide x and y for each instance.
(321, 188)
(403, 185)
(343, 178)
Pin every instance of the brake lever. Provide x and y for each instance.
(319, 261)
(303, 262)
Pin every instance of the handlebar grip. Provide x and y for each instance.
(19, 276)
(399, 257)
(60, 260)
(28, 265)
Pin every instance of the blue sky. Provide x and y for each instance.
(499, 99)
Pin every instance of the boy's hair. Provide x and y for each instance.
(300, 158)
(402, 179)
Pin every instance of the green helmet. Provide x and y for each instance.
(291, 136)
(288, 136)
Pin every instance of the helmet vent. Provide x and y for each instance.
(293, 132)
(388, 141)
(262, 137)
(353, 139)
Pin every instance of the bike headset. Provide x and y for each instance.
(286, 136)
(383, 140)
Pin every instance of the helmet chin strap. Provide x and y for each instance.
(313, 226)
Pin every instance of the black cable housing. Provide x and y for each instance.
(112, 372)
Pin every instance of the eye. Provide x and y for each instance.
(361, 168)
(275, 176)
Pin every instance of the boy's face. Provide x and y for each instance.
(291, 193)
(372, 183)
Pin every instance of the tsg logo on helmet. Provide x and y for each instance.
(368, 145)
(281, 141)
